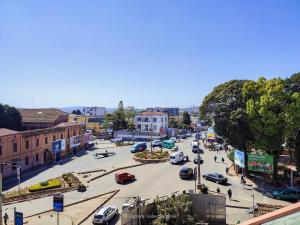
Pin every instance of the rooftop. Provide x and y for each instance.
(152, 113)
(43, 115)
(4, 132)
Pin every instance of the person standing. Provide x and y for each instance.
(223, 160)
(5, 218)
(215, 158)
(229, 192)
(218, 190)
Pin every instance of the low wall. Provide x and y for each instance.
(150, 160)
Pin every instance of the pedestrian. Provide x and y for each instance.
(227, 169)
(229, 192)
(215, 158)
(5, 218)
(217, 149)
(223, 160)
(218, 190)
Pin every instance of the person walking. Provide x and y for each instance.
(227, 170)
(218, 190)
(217, 149)
(223, 160)
(5, 218)
(215, 158)
(229, 192)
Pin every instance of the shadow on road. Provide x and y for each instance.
(115, 219)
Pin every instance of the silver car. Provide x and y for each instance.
(105, 214)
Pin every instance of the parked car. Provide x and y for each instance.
(178, 157)
(215, 177)
(122, 177)
(105, 214)
(139, 147)
(290, 193)
(117, 139)
(156, 143)
(196, 160)
(186, 173)
(131, 202)
(188, 135)
(195, 149)
(168, 144)
(194, 143)
(173, 139)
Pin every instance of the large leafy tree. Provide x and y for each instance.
(10, 118)
(292, 109)
(265, 107)
(119, 118)
(186, 119)
(175, 211)
(226, 108)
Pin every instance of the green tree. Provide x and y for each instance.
(173, 123)
(74, 112)
(10, 118)
(186, 119)
(226, 108)
(265, 107)
(78, 112)
(119, 118)
(175, 211)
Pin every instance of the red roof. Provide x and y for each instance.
(43, 115)
(4, 132)
(153, 113)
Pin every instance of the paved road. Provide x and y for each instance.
(152, 180)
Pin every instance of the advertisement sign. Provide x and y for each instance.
(75, 141)
(58, 202)
(58, 145)
(18, 218)
(261, 163)
(239, 158)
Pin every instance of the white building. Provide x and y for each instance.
(158, 121)
(94, 111)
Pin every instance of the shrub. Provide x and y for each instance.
(50, 184)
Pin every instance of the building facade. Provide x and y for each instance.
(168, 111)
(42, 118)
(94, 111)
(89, 122)
(156, 122)
(34, 148)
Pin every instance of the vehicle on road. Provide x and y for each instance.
(130, 203)
(188, 135)
(196, 160)
(215, 177)
(290, 193)
(122, 177)
(117, 139)
(186, 173)
(168, 144)
(178, 157)
(173, 139)
(139, 147)
(175, 149)
(156, 143)
(195, 149)
(105, 214)
(194, 143)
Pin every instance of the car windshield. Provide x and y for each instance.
(219, 175)
(98, 216)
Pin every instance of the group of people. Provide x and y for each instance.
(223, 160)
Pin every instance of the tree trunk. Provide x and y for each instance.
(297, 151)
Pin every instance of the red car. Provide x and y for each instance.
(122, 177)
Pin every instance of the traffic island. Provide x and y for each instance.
(151, 157)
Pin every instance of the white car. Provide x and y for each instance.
(105, 214)
(173, 139)
(130, 203)
(194, 144)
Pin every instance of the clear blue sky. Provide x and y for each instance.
(146, 53)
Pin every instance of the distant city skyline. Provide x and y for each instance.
(147, 53)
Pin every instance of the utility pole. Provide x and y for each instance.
(253, 205)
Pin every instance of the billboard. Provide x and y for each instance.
(74, 141)
(261, 163)
(58, 145)
(239, 158)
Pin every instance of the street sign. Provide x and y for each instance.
(58, 202)
(18, 218)
(195, 173)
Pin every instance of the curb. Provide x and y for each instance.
(92, 171)
(238, 207)
(149, 160)
(74, 203)
(98, 207)
(114, 170)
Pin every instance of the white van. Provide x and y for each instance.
(177, 157)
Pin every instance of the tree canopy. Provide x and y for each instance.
(10, 118)
(186, 119)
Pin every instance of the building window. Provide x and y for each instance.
(154, 128)
(46, 140)
(139, 119)
(162, 119)
(54, 138)
(154, 120)
(37, 142)
(146, 119)
(74, 133)
(27, 144)
(0, 149)
(139, 126)
(61, 136)
(26, 160)
(37, 157)
(15, 147)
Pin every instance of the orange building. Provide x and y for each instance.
(33, 148)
